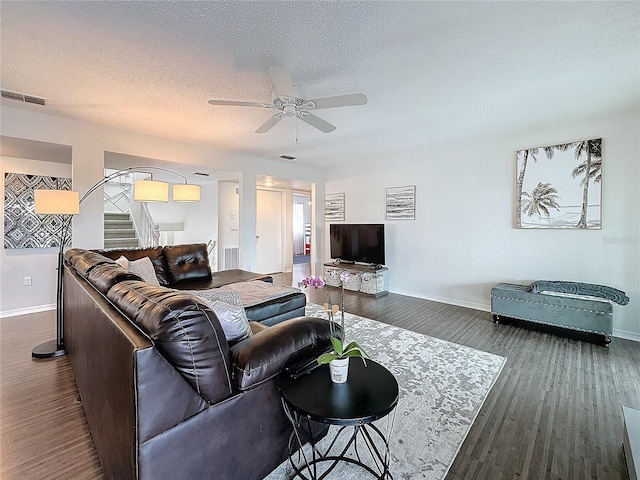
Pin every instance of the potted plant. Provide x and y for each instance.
(338, 359)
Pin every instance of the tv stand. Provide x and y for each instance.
(369, 279)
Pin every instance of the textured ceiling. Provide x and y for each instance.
(433, 71)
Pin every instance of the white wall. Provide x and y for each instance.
(201, 218)
(463, 240)
(228, 220)
(89, 143)
(38, 263)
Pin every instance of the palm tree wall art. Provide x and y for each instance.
(561, 187)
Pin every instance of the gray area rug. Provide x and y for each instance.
(442, 388)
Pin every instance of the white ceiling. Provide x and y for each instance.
(433, 71)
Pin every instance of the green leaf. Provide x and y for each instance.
(326, 358)
(356, 346)
(337, 345)
(357, 353)
(353, 353)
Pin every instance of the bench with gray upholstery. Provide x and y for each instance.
(566, 307)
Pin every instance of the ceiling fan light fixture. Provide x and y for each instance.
(290, 101)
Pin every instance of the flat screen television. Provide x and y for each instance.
(357, 242)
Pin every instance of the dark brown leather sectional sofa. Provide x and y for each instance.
(165, 395)
(186, 267)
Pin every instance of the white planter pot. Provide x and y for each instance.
(339, 370)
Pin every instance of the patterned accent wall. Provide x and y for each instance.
(22, 227)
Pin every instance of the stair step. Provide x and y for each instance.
(119, 233)
(118, 224)
(121, 242)
(116, 216)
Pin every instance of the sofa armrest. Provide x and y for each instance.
(264, 355)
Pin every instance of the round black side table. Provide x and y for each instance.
(370, 393)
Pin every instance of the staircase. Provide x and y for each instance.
(119, 231)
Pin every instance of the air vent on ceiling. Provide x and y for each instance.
(200, 174)
(287, 157)
(21, 97)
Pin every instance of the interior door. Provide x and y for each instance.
(269, 231)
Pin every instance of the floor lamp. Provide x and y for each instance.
(67, 203)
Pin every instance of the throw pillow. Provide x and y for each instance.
(123, 262)
(229, 310)
(233, 320)
(144, 269)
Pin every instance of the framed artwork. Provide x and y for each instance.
(401, 203)
(560, 186)
(22, 227)
(334, 207)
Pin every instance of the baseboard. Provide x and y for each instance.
(27, 311)
(449, 301)
(626, 334)
(618, 333)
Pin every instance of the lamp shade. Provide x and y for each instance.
(186, 193)
(150, 191)
(56, 202)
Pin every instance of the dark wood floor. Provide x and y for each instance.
(555, 411)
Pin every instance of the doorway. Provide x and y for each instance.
(301, 229)
(269, 231)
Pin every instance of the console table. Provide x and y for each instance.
(370, 393)
(372, 280)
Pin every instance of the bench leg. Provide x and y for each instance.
(496, 318)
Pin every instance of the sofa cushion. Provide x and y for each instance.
(268, 303)
(155, 254)
(185, 332)
(187, 262)
(84, 260)
(221, 278)
(105, 276)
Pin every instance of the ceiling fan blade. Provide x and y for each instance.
(348, 100)
(233, 103)
(269, 124)
(317, 122)
(281, 80)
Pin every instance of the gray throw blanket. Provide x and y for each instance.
(575, 288)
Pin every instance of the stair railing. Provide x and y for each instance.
(148, 231)
(212, 253)
(118, 195)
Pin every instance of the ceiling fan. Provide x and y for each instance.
(290, 101)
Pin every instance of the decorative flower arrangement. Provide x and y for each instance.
(340, 352)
